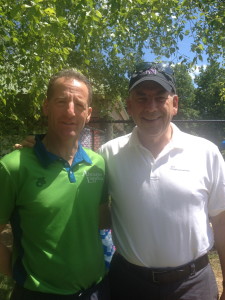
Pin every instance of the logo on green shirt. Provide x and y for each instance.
(93, 176)
(40, 181)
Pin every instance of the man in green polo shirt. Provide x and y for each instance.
(52, 195)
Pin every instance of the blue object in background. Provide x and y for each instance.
(222, 145)
(108, 246)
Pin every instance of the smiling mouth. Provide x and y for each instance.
(151, 119)
(68, 124)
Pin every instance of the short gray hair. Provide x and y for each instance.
(73, 74)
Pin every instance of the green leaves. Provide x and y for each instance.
(103, 39)
(210, 91)
(50, 12)
(186, 93)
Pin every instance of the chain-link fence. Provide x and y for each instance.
(213, 130)
(93, 137)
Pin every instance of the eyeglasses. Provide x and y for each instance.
(151, 68)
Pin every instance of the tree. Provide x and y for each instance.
(186, 93)
(102, 38)
(210, 100)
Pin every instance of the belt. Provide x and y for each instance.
(169, 275)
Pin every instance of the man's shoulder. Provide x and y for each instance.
(198, 139)
(116, 144)
(198, 144)
(16, 158)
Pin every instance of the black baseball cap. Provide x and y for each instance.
(157, 72)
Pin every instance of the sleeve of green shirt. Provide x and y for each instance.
(7, 193)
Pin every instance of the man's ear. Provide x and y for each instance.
(45, 107)
(89, 114)
(175, 104)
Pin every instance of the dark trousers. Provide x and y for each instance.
(98, 292)
(126, 284)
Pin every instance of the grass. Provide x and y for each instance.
(6, 284)
(215, 263)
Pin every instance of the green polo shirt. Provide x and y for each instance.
(54, 210)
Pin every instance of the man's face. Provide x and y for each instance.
(152, 108)
(68, 109)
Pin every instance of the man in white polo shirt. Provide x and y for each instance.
(166, 187)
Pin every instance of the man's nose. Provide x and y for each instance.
(150, 104)
(71, 108)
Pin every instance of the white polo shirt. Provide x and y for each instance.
(160, 207)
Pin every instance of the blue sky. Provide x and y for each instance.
(184, 49)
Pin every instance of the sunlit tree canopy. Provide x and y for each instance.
(102, 38)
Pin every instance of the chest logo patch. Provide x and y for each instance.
(93, 176)
(40, 181)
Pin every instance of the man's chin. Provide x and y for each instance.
(69, 135)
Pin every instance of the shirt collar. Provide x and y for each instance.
(175, 142)
(177, 139)
(134, 140)
(46, 158)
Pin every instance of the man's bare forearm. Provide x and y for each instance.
(5, 260)
(105, 217)
(5, 257)
(218, 223)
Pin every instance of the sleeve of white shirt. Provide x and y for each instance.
(216, 200)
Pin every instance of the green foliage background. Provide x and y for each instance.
(102, 38)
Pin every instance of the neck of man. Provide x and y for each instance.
(155, 144)
(63, 148)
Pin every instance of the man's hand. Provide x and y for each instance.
(218, 223)
(29, 142)
(5, 257)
